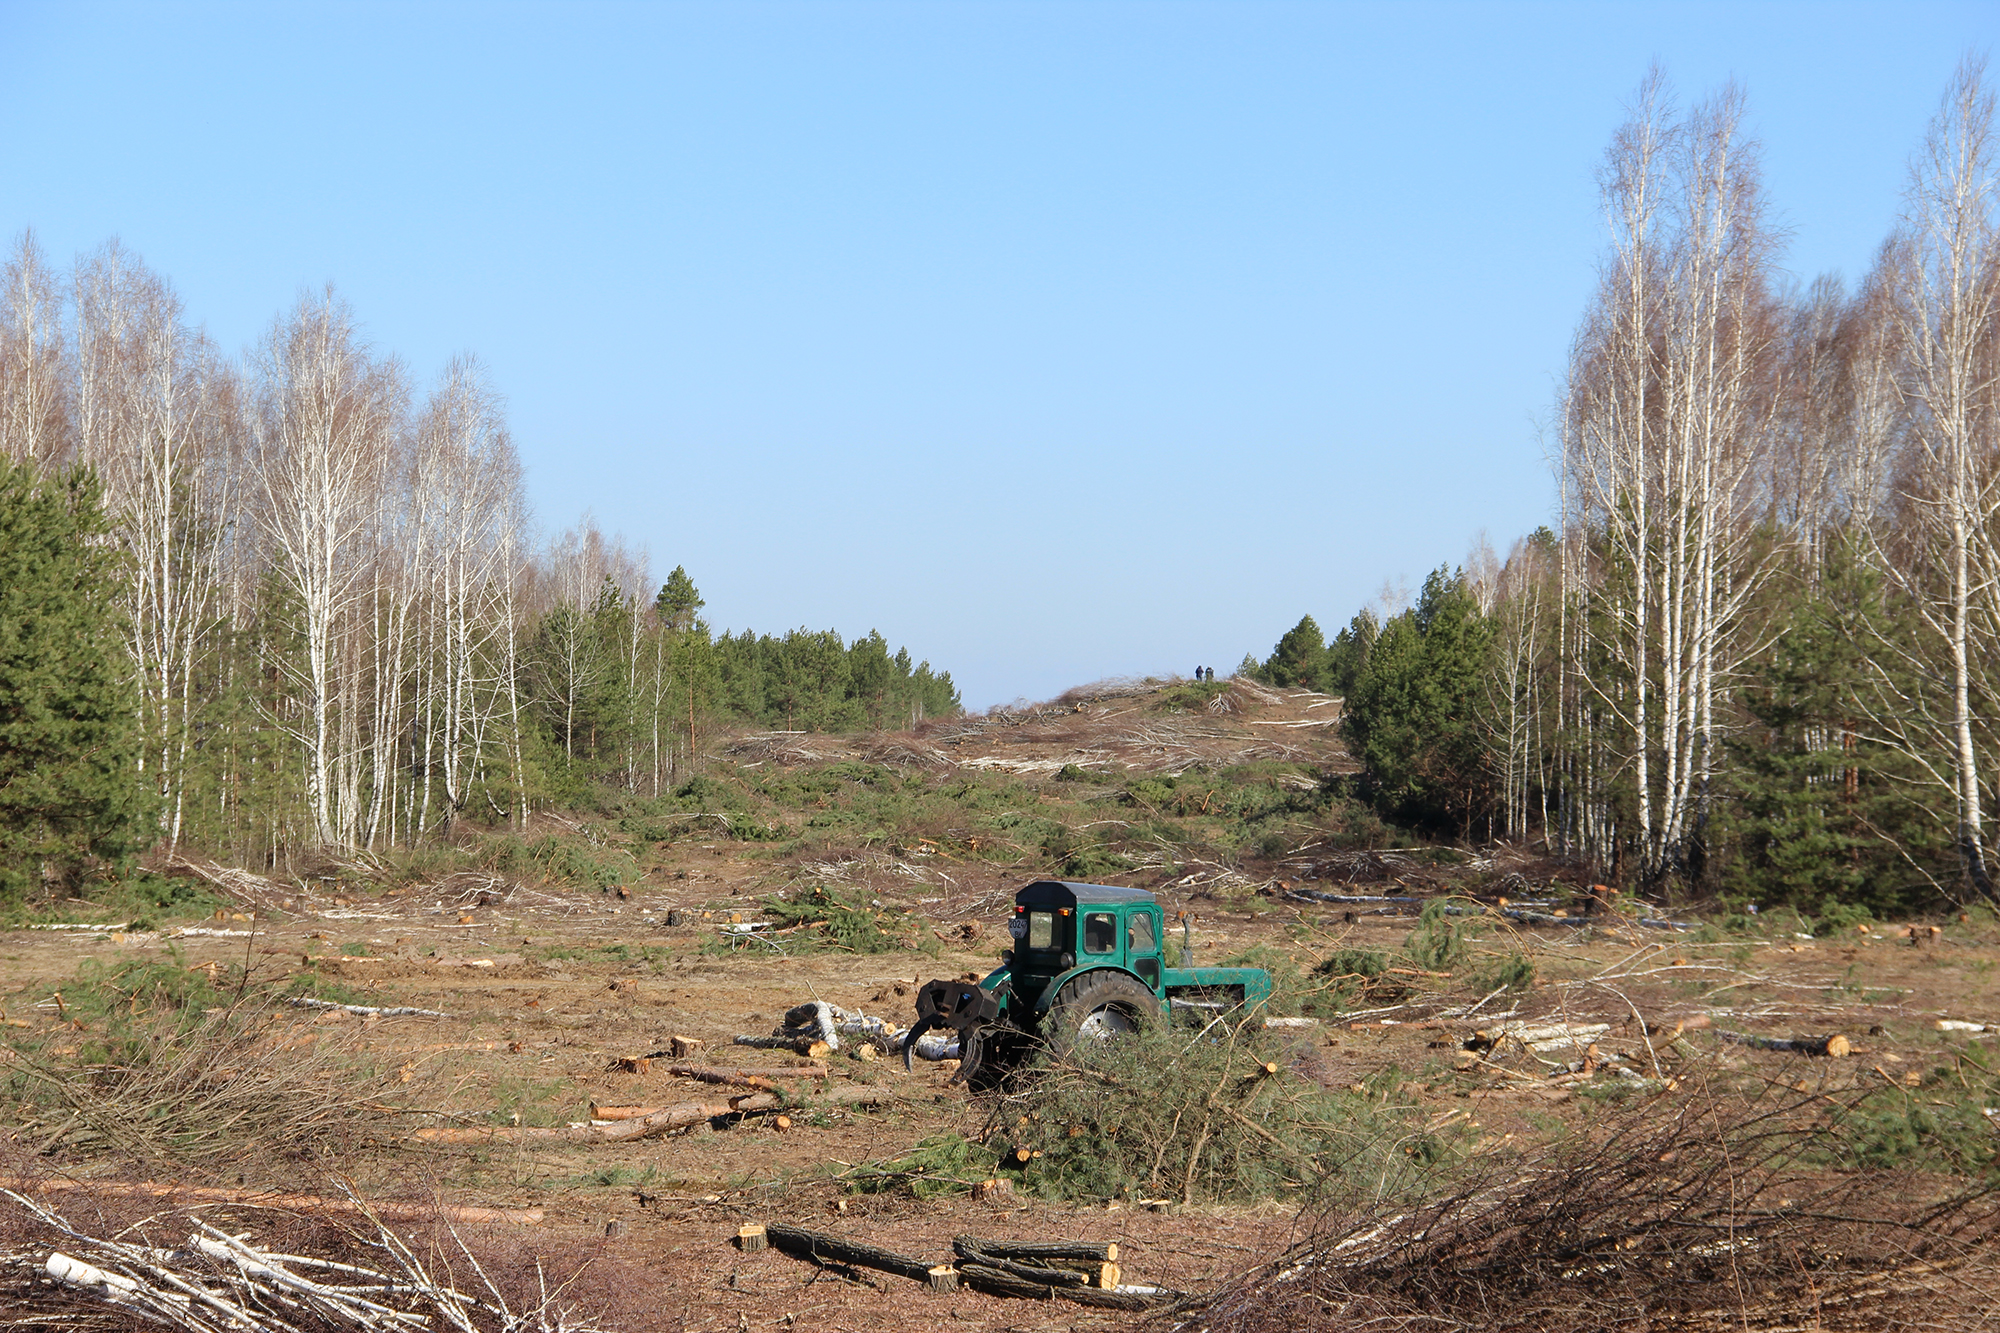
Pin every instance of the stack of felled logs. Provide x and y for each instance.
(1082, 1272)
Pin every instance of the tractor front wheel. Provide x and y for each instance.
(1097, 1006)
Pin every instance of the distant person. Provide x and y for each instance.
(1197, 673)
(1211, 675)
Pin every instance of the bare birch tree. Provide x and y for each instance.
(156, 415)
(1945, 318)
(326, 416)
(33, 377)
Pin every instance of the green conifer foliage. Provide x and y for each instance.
(1299, 657)
(70, 786)
(1412, 716)
(1822, 809)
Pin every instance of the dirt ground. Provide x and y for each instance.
(547, 990)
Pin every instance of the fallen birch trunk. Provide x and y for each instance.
(368, 1010)
(1536, 1036)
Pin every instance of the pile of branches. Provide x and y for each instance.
(239, 886)
(213, 1281)
(250, 1077)
(1690, 1214)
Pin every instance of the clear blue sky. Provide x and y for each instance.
(1057, 341)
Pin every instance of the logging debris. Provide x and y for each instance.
(221, 1283)
(661, 1120)
(815, 1028)
(367, 1010)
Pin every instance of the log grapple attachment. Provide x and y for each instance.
(962, 1005)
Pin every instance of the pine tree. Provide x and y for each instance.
(1821, 808)
(1299, 657)
(71, 790)
(1412, 715)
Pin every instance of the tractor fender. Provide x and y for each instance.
(1047, 998)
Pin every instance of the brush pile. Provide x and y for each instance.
(218, 1282)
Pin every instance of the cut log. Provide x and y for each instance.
(1831, 1047)
(943, 1277)
(734, 1078)
(1104, 1253)
(997, 1282)
(810, 1047)
(750, 1237)
(1536, 1036)
(1039, 1273)
(667, 1118)
(683, 1047)
(598, 1112)
(822, 1248)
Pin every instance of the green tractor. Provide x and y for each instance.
(1085, 965)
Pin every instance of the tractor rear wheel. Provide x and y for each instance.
(1098, 1006)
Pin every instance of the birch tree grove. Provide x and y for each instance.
(1668, 422)
(1756, 655)
(339, 626)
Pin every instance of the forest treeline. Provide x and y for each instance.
(1759, 651)
(336, 624)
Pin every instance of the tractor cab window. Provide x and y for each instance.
(1139, 935)
(1100, 932)
(1041, 930)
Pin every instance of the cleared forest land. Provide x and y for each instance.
(1700, 1101)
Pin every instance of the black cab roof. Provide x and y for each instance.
(1070, 893)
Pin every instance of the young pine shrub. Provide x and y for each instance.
(1198, 1115)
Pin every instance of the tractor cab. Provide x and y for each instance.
(1059, 926)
